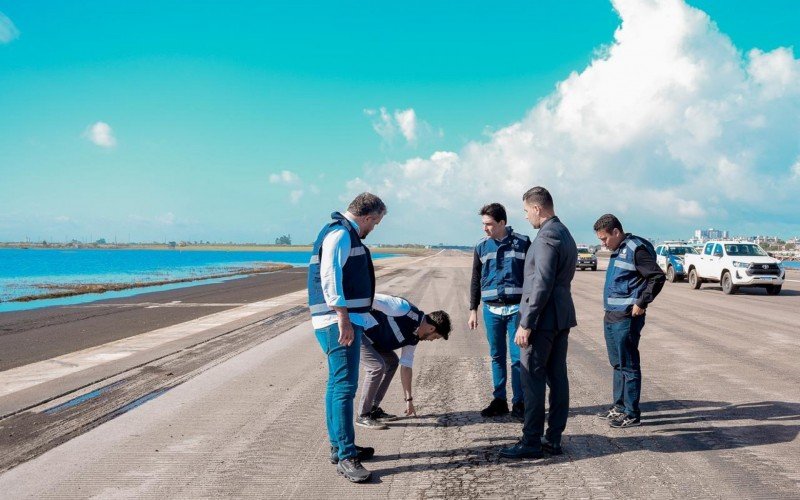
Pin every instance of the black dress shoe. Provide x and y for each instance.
(352, 469)
(364, 453)
(552, 449)
(496, 408)
(520, 450)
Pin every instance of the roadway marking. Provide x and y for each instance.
(23, 377)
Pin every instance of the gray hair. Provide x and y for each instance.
(538, 196)
(366, 204)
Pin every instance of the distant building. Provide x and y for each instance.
(710, 234)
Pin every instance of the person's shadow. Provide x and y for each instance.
(675, 426)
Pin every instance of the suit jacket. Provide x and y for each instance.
(549, 268)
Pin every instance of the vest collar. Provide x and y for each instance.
(346, 220)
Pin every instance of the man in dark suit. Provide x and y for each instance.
(546, 315)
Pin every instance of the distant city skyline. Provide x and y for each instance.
(250, 120)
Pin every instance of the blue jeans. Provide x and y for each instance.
(622, 343)
(342, 385)
(500, 331)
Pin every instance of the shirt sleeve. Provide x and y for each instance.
(475, 283)
(335, 250)
(407, 355)
(647, 266)
(390, 305)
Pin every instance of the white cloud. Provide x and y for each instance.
(101, 134)
(295, 196)
(8, 31)
(407, 121)
(669, 126)
(284, 177)
(402, 122)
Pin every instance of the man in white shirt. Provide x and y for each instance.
(400, 325)
(341, 287)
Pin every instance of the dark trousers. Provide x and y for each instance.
(544, 362)
(622, 343)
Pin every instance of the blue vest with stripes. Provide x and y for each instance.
(503, 268)
(624, 285)
(358, 275)
(394, 332)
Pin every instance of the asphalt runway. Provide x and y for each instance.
(720, 401)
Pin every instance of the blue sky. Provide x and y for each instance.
(243, 121)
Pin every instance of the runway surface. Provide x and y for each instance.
(241, 416)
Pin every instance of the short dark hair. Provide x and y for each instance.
(440, 321)
(607, 223)
(494, 210)
(366, 204)
(538, 196)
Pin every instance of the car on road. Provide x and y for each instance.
(586, 259)
(670, 258)
(735, 264)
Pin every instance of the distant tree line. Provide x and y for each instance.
(284, 240)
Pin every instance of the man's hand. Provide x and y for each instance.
(346, 334)
(473, 320)
(410, 410)
(638, 311)
(522, 336)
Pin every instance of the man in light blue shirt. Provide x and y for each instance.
(341, 288)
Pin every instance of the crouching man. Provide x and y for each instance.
(401, 325)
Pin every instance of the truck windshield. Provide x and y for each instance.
(584, 251)
(745, 250)
(681, 250)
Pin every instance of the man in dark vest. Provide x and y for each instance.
(633, 280)
(401, 325)
(547, 313)
(341, 287)
(497, 274)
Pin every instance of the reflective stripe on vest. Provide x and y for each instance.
(351, 304)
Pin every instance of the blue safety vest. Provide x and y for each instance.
(358, 275)
(503, 267)
(394, 332)
(624, 285)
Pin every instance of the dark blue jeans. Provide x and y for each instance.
(544, 363)
(342, 385)
(622, 343)
(500, 331)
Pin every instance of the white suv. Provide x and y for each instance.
(735, 264)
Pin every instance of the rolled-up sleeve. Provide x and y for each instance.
(335, 250)
(407, 355)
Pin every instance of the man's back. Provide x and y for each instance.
(549, 270)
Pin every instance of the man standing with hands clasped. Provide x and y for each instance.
(633, 279)
(546, 315)
(341, 288)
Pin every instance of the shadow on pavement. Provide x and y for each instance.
(665, 432)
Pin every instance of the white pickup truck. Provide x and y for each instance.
(734, 264)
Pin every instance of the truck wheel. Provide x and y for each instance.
(671, 274)
(774, 289)
(594, 268)
(694, 279)
(727, 284)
